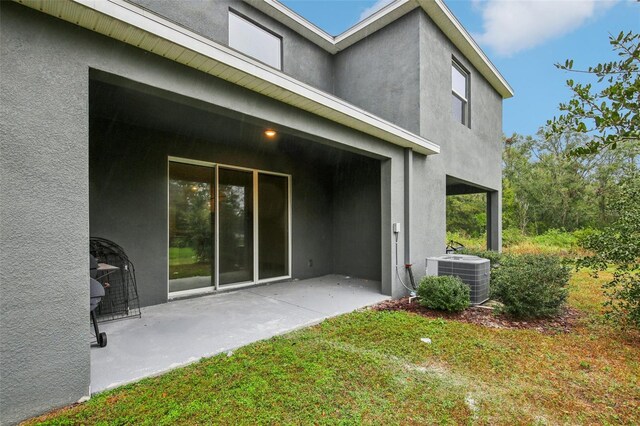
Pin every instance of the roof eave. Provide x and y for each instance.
(139, 27)
(436, 9)
(449, 24)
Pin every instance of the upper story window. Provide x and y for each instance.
(460, 93)
(255, 41)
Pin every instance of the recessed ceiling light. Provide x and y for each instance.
(270, 133)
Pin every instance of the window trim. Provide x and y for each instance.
(259, 26)
(466, 113)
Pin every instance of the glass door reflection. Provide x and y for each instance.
(191, 230)
(235, 245)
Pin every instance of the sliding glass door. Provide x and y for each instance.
(236, 225)
(191, 230)
(227, 226)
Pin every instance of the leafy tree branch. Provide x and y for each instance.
(609, 114)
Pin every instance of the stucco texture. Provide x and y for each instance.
(44, 227)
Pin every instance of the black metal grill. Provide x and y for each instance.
(121, 292)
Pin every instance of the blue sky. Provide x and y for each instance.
(523, 38)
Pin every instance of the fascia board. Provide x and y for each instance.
(288, 17)
(236, 65)
(331, 44)
(378, 20)
(449, 24)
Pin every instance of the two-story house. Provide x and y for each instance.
(235, 133)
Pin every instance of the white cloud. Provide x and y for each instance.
(510, 26)
(379, 4)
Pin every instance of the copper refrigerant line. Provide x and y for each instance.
(412, 290)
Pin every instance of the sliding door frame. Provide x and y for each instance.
(256, 243)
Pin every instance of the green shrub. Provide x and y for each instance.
(512, 236)
(444, 293)
(583, 234)
(556, 238)
(530, 286)
(617, 248)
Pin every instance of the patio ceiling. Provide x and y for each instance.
(144, 106)
(457, 186)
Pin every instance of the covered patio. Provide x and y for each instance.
(174, 334)
(493, 200)
(201, 199)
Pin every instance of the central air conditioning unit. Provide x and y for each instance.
(472, 270)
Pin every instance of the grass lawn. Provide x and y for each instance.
(554, 242)
(182, 256)
(371, 367)
(183, 263)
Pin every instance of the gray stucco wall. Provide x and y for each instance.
(44, 221)
(380, 73)
(403, 74)
(473, 154)
(428, 212)
(356, 213)
(302, 59)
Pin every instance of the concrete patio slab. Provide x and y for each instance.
(183, 331)
(329, 295)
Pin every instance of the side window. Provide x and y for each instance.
(255, 41)
(460, 93)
